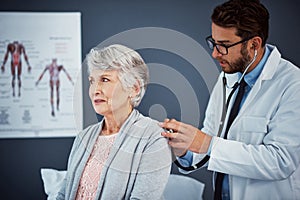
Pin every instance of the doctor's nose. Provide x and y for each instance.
(215, 53)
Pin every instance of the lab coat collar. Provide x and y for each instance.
(267, 73)
(268, 70)
(271, 64)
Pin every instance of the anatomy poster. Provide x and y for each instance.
(40, 80)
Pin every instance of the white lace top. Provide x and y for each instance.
(92, 171)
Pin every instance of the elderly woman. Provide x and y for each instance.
(124, 156)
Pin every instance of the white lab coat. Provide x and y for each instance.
(262, 153)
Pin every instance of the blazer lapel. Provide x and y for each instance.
(116, 147)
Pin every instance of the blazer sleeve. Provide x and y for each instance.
(154, 169)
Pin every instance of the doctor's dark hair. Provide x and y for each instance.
(249, 17)
(130, 66)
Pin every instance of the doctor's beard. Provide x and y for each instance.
(241, 63)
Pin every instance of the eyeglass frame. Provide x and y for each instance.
(209, 39)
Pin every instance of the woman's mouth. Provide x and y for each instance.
(98, 101)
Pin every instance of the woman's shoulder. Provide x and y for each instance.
(150, 132)
(147, 120)
(148, 125)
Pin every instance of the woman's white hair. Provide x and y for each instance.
(130, 65)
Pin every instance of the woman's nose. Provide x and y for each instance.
(98, 88)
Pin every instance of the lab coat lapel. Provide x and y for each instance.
(266, 74)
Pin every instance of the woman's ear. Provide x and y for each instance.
(135, 89)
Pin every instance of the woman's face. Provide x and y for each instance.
(107, 93)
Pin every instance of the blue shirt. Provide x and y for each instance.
(250, 79)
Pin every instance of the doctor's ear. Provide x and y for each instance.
(256, 42)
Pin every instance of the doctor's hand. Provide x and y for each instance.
(185, 137)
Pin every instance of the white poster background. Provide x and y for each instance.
(45, 36)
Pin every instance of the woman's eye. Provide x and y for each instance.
(105, 79)
(91, 81)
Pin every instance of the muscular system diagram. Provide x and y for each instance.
(15, 50)
(54, 82)
(36, 99)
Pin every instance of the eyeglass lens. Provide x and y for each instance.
(221, 49)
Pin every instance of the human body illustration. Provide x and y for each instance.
(54, 71)
(16, 50)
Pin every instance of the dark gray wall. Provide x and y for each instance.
(21, 159)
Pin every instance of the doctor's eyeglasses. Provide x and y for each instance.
(222, 48)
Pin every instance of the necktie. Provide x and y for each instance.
(233, 113)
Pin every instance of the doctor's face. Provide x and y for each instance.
(238, 56)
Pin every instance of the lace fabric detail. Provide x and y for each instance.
(91, 174)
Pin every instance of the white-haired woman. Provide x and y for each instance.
(124, 156)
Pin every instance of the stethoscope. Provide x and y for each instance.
(224, 112)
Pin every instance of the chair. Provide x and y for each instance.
(183, 187)
(52, 180)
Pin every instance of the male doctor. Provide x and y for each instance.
(251, 132)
